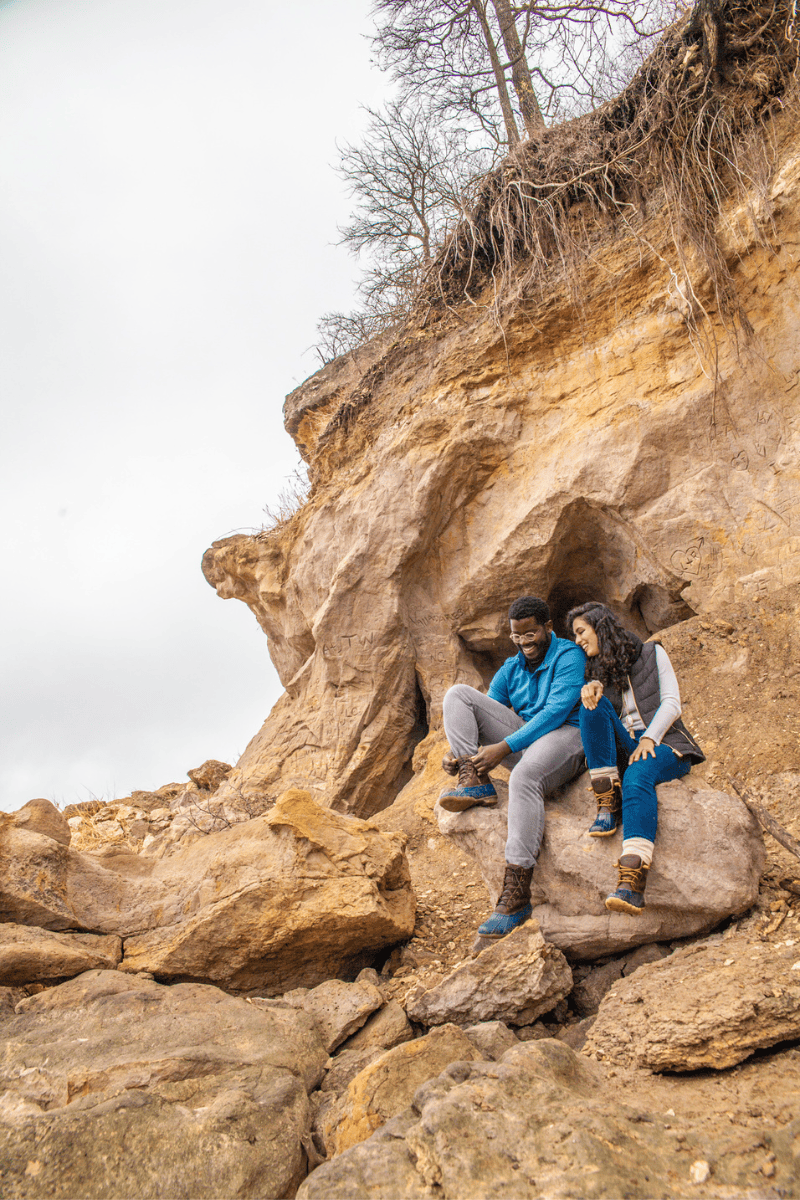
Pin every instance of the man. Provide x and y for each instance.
(529, 720)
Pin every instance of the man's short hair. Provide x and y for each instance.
(529, 606)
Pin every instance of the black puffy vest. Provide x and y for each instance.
(643, 678)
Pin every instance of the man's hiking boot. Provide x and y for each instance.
(608, 793)
(629, 896)
(513, 907)
(469, 789)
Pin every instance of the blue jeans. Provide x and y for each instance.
(602, 732)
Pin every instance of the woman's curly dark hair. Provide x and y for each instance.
(618, 648)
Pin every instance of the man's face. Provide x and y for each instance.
(532, 638)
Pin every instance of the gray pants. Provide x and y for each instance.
(471, 720)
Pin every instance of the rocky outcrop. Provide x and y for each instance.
(709, 857)
(286, 900)
(113, 1085)
(542, 1122)
(561, 454)
(515, 981)
(709, 1005)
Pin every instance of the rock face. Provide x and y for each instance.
(708, 860)
(569, 456)
(117, 1086)
(285, 900)
(515, 981)
(537, 1123)
(709, 1005)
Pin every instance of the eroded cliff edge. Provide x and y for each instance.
(570, 451)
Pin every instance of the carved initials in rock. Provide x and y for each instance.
(690, 560)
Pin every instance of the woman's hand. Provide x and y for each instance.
(645, 749)
(591, 693)
(489, 756)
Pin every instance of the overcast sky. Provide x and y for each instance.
(168, 220)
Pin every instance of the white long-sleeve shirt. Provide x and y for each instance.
(668, 710)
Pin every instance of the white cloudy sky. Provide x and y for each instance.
(168, 220)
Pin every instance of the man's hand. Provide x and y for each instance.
(489, 756)
(645, 749)
(591, 693)
(450, 763)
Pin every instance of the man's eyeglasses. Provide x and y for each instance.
(523, 639)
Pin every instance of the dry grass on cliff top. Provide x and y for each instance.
(689, 132)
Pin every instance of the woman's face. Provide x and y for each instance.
(585, 637)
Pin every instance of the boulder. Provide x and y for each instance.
(210, 775)
(30, 955)
(385, 1029)
(34, 853)
(707, 1005)
(42, 816)
(536, 1123)
(386, 1087)
(492, 1038)
(337, 1008)
(708, 860)
(515, 980)
(113, 1085)
(289, 899)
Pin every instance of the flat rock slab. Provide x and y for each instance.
(32, 955)
(535, 1124)
(386, 1086)
(337, 1008)
(386, 1028)
(708, 860)
(708, 1005)
(515, 981)
(118, 1086)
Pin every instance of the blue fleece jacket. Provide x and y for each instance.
(547, 696)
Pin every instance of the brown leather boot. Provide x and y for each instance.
(513, 907)
(469, 789)
(608, 793)
(629, 896)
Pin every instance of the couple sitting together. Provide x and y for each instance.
(607, 696)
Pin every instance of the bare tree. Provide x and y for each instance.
(411, 181)
(488, 61)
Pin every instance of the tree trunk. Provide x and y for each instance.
(499, 74)
(520, 73)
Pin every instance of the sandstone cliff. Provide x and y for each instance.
(568, 450)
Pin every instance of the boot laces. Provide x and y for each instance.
(631, 877)
(513, 887)
(467, 775)
(608, 800)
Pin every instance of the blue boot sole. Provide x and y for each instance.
(456, 799)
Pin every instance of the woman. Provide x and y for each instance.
(630, 714)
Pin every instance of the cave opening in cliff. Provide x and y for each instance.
(418, 733)
(649, 608)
